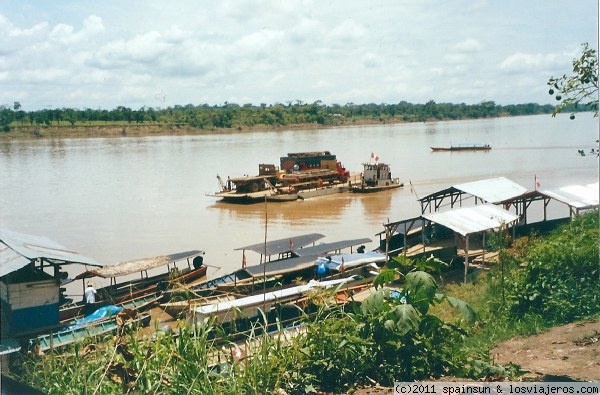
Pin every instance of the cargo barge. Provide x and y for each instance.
(301, 175)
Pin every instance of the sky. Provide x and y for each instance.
(105, 54)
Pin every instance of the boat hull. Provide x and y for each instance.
(323, 191)
(462, 148)
(377, 188)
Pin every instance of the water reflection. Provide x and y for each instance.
(296, 212)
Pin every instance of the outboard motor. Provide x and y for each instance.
(198, 262)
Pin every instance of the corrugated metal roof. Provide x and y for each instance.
(137, 265)
(493, 190)
(18, 249)
(577, 196)
(10, 260)
(475, 219)
(283, 245)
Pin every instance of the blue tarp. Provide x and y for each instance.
(102, 312)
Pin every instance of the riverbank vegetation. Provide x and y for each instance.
(189, 119)
(395, 335)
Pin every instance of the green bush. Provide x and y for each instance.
(557, 277)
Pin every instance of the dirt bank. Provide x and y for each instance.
(563, 353)
(135, 130)
(570, 352)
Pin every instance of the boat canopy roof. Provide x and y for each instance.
(17, 250)
(254, 300)
(492, 190)
(325, 248)
(580, 197)
(475, 219)
(283, 266)
(284, 245)
(138, 265)
(305, 260)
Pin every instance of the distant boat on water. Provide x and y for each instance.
(463, 147)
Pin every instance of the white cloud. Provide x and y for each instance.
(113, 53)
(66, 34)
(469, 45)
(526, 62)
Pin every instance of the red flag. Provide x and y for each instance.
(243, 259)
(342, 268)
(537, 182)
(374, 156)
(292, 245)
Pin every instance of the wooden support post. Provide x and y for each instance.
(483, 249)
(466, 256)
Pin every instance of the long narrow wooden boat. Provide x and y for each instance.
(250, 306)
(139, 304)
(463, 147)
(180, 308)
(65, 337)
(118, 293)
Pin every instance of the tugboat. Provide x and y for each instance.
(301, 175)
(376, 177)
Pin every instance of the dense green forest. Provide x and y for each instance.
(229, 115)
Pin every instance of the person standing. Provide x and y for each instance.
(89, 297)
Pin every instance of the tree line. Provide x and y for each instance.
(230, 115)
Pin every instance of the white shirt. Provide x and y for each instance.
(90, 295)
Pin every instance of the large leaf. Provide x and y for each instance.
(385, 276)
(374, 303)
(406, 318)
(464, 308)
(421, 288)
(431, 264)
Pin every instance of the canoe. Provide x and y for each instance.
(463, 147)
(69, 336)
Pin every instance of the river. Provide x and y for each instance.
(116, 199)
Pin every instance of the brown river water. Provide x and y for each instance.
(117, 199)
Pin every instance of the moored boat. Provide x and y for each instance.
(301, 175)
(376, 177)
(250, 306)
(463, 147)
(122, 292)
(67, 336)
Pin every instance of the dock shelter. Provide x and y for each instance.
(470, 220)
(577, 197)
(493, 190)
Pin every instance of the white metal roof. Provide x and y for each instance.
(493, 190)
(18, 249)
(475, 219)
(578, 196)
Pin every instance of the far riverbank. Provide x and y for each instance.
(148, 129)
